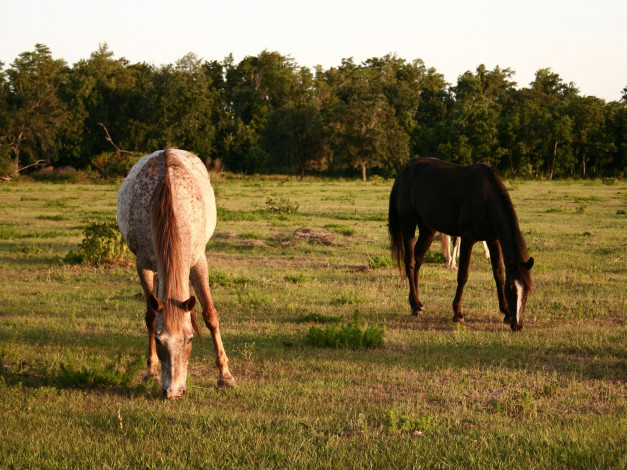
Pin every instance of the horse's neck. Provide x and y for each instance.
(506, 233)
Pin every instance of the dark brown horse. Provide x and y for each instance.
(466, 201)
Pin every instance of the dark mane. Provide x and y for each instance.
(167, 244)
(520, 246)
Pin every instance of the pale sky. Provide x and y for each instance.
(584, 41)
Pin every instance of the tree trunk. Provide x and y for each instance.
(363, 171)
(552, 169)
(583, 164)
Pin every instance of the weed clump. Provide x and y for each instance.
(396, 424)
(102, 245)
(281, 206)
(351, 336)
(384, 261)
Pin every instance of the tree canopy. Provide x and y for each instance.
(267, 114)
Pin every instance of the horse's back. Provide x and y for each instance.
(439, 194)
(193, 198)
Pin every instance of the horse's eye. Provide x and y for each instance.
(189, 340)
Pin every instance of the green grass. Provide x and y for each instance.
(434, 395)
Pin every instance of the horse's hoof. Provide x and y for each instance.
(459, 319)
(227, 382)
(416, 312)
(507, 319)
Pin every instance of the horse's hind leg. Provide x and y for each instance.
(462, 277)
(446, 248)
(425, 237)
(199, 276)
(497, 270)
(149, 284)
(409, 239)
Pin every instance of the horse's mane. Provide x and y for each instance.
(168, 245)
(520, 246)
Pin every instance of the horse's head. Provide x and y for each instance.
(517, 287)
(174, 344)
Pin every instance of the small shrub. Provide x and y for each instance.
(102, 245)
(281, 206)
(433, 257)
(296, 278)
(384, 261)
(341, 229)
(347, 336)
(113, 164)
(395, 423)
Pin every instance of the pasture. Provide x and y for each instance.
(285, 253)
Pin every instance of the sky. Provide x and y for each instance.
(583, 41)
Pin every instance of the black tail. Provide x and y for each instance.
(397, 248)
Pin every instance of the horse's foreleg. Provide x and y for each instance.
(425, 237)
(199, 276)
(149, 284)
(462, 277)
(497, 269)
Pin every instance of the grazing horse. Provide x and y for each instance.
(451, 258)
(466, 201)
(166, 214)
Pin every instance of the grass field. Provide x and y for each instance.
(436, 395)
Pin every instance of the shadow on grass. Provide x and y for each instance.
(575, 357)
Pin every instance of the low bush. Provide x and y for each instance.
(102, 245)
(351, 336)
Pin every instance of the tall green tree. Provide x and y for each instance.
(254, 89)
(34, 115)
(363, 129)
(592, 141)
(108, 93)
(473, 132)
(181, 107)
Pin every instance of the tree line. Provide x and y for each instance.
(267, 114)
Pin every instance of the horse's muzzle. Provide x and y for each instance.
(169, 393)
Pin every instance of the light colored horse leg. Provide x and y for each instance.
(149, 282)
(486, 250)
(200, 280)
(455, 255)
(446, 249)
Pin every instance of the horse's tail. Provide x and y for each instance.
(397, 248)
(167, 240)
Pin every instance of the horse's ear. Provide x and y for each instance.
(529, 264)
(189, 304)
(155, 303)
